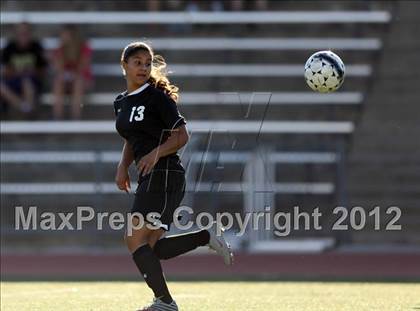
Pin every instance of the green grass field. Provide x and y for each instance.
(212, 296)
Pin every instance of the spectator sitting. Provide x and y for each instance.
(23, 65)
(72, 71)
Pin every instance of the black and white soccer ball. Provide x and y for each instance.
(324, 72)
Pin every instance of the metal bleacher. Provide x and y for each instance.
(243, 96)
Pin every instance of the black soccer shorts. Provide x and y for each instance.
(160, 192)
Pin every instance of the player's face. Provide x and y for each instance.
(138, 67)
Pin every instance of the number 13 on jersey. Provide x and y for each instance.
(137, 113)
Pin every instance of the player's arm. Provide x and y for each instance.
(127, 156)
(177, 139)
(122, 178)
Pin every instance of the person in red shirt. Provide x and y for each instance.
(72, 71)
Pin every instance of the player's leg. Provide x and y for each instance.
(147, 262)
(137, 237)
(155, 236)
(150, 198)
(175, 245)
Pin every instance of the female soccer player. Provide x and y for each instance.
(153, 130)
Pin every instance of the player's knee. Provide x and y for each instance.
(136, 239)
(155, 237)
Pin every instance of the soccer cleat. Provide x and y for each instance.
(222, 248)
(159, 305)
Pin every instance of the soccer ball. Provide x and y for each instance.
(324, 72)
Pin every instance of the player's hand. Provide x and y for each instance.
(122, 179)
(146, 163)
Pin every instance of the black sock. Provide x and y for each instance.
(176, 245)
(149, 266)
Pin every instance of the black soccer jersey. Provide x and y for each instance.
(145, 118)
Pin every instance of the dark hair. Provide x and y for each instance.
(133, 48)
(159, 74)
